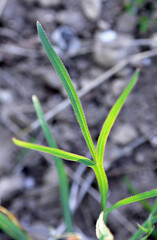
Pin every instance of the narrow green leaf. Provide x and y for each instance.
(63, 180)
(136, 198)
(112, 117)
(102, 183)
(154, 208)
(146, 230)
(55, 152)
(133, 191)
(67, 83)
(11, 229)
(139, 232)
(148, 224)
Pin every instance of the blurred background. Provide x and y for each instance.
(101, 43)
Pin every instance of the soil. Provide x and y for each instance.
(28, 182)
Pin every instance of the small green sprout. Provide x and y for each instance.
(97, 163)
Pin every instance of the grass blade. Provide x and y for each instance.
(10, 225)
(136, 198)
(62, 177)
(56, 152)
(133, 191)
(67, 83)
(112, 117)
(139, 232)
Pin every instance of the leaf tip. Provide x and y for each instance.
(34, 98)
(14, 140)
(38, 24)
(39, 27)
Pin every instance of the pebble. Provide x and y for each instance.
(6, 96)
(153, 140)
(111, 154)
(29, 182)
(51, 176)
(95, 115)
(126, 23)
(64, 37)
(123, 134)
(146, 62)
(91, 9)
(10, 185)
(118, 87)
(48, 76)
(48, 3)
(6, 148)
(110, 47)
(107, 36)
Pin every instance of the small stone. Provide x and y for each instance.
(91, 9)
(124, 73)
(111, 47)
(6, 96)
(103, 25)
(6, 148)
(10, 185)
(66, 39)
(51, 176)
(123, 134)
(107, 36)
(126, 23)
(29, 182)
(153, 140)
(146, 62)
(49, 77)
(140, 157)
(118, 87)
(111, 154)
(95, 115)
(48, 3)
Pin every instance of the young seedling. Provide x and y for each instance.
(96, 164)
(147, 227)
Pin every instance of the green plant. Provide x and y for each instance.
(147, 227)
(144, 11)
(10, 225)
(97, 163)
(63, 181)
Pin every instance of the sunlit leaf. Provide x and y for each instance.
(67, 83)
(133, 199)
(10, 225)
(112, 117)
(62, 177)
(55, 152)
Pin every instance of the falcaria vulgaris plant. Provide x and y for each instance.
(96, 164)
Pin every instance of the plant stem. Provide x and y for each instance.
(62, 176)
(64, 194)
(102, 183)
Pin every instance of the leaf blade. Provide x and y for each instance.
(62, 176)
(132, 199)
(55, 152)
(10, 225)
(67, 83)
(112, 117)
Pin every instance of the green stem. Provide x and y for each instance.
(62, 176)
(102, 183)
(64, 194)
